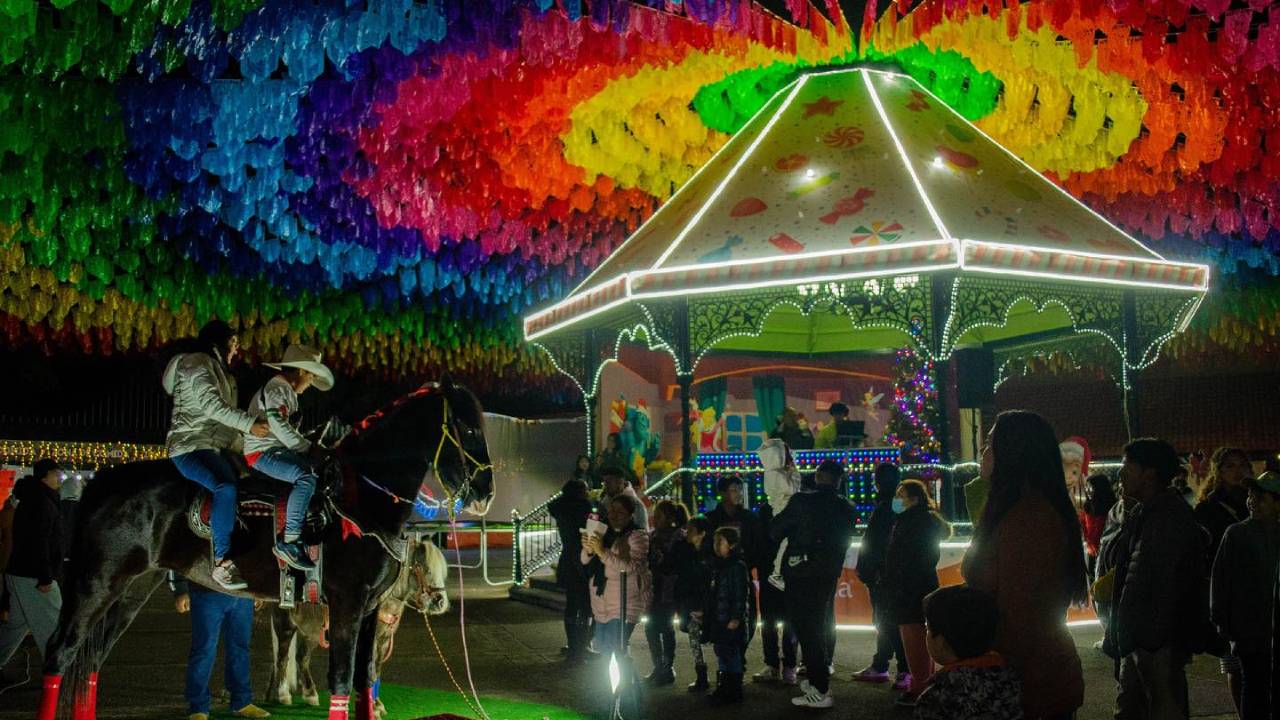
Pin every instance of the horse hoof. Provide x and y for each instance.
(312, 700)
(284, 699)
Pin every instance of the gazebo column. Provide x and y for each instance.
(687, 457)
(940, 302)
(1128, 374)
(682, 344)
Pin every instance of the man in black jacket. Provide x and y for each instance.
(31, 581)
(818, 527)
(1160, 602)
(871, 559)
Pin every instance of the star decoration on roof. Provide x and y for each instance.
(822, 106)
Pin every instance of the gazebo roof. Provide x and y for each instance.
(862, 173)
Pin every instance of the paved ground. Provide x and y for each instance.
(514, 654)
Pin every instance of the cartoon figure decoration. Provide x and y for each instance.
(617, 414)
(710, 432)
(639, 443)
(1075, 465)
(871, 405)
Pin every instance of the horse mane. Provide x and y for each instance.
(457, 396)
(375, 418)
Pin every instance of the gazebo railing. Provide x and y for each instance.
(535, 543)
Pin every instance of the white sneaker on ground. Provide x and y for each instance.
(767, 675)
(789, 676)
(813, 699)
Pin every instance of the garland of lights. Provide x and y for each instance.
(80, 455)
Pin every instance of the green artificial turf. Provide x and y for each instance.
(410, 703)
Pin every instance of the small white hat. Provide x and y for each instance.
(306, 358)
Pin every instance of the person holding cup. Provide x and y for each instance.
(608, 551)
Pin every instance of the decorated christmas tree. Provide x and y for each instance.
(915, 409)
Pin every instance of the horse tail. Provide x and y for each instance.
(80, 679)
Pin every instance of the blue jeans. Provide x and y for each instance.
(212, 472)
(214, 614)
(288, 466)
(729, 658)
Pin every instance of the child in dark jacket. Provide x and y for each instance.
(695, 559)
(910, 573)
(669, 519)
(974, 683)
(728, 615)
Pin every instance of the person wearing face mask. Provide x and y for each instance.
(871, 568)
(911, 573)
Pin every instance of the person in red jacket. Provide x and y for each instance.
(1093, 516)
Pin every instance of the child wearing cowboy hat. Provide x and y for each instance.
(281, 454)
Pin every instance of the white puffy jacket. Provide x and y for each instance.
(781, 479)
(205, 416)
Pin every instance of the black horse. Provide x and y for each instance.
(133, 523)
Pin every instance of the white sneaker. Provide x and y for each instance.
(813, 699)
(228, 576)
(805, 687)
(789, 676)
(767, 675)
(777, 581)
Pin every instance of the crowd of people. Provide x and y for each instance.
(1169, 573)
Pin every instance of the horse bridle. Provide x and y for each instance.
(448, 434)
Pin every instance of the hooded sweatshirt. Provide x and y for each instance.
(37, 533)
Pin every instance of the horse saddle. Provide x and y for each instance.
(259, 496)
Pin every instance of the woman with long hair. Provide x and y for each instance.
(911, 573)
(1028, 552)
(1223, 502)
(1223, 496)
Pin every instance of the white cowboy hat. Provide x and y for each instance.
(306, 358)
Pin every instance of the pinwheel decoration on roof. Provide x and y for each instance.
(857, 211)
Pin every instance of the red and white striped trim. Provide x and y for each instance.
(1083, 267)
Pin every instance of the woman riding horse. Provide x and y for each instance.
(205, 422)
(134, 523)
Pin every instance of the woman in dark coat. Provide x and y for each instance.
(570, 512)
(910, 573)
(1027, 552)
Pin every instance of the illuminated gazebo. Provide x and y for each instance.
(855, 212)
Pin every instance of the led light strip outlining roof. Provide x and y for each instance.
(687, 184)
(764, 132)
(902, 152)
(1035, 172)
